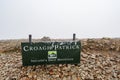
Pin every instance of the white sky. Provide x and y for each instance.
(59, 18)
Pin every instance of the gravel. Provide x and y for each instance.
(100, 60)
(93, 66)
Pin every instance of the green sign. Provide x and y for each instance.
(51, 53)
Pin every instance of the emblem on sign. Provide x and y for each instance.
(52, 55)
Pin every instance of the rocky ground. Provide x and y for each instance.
(100, 60)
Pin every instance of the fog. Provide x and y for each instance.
(59, 18)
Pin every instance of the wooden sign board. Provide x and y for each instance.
(51, 53)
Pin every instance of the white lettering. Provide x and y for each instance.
(51, 47)
(35, 48)
(25, 48)
(31, 48)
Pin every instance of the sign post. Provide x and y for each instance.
(74, 36)
(30, 38)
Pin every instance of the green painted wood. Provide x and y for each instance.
(51, 53)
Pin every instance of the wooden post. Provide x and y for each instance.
(74, 36)
(30, 38)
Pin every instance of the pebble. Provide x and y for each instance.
(84, 55)
(93, 56)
